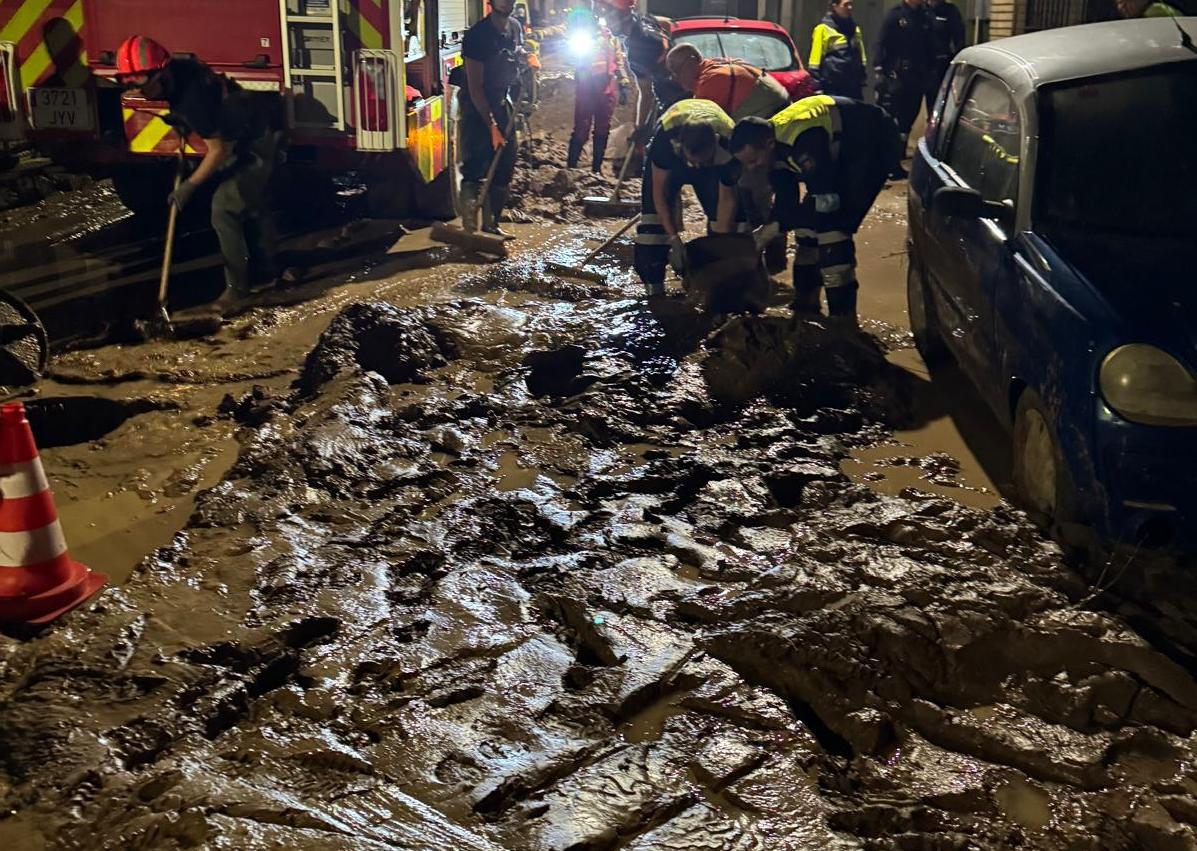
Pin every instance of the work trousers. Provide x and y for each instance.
(825, 248)
(243, 221)
(593, 107)
(902, 97)
(936, 80)
(650, 254)
(477, 151)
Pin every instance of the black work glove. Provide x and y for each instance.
(181, 196)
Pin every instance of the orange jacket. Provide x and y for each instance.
(729, 83)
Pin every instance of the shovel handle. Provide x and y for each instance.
(494, 161)
(623, 173)
(627, 227)
(172, 222)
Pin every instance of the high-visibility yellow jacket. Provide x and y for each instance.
(837, 61)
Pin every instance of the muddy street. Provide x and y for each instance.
(425, 553)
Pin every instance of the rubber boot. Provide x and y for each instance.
(841, 302)
(492, 209)
(468, 198)
(575, 151)
(600, 151)
(806, 302)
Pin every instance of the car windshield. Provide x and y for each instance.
(1118, 156)
(762, 50)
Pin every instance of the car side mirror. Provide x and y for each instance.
(962, 202)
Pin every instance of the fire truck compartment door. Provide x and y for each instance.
(223, 33)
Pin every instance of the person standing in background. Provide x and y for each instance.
(903, 67)
(837, 53)
(946, 26)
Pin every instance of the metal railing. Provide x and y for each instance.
(379, 102)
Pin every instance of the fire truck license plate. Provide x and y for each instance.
(61, 109)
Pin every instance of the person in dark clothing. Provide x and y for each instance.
(492, 49)
(946, 31)
(837, 53)
(241, 148)
(646, 43)
(688, 149)
(842, 150)
(903, 66)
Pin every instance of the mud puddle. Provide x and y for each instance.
(956, 449)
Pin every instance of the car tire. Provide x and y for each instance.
(923, 323)
(1042, 482)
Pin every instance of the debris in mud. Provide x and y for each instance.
(254, 409)
(806, 364)
(400, 345)
(544, 190)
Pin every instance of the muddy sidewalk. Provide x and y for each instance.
(519, 573)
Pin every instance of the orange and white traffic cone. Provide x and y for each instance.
(38, 579)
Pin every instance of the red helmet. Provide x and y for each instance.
(621, 5)
(139, 55)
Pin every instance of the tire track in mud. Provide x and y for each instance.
(694, 634)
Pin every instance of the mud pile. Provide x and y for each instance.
(544, 190)
(517, 579)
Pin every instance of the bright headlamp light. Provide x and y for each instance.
(1147, 385)
(581, 45)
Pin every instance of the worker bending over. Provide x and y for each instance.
(740, 89)
(241, 147)
(493, 50)
(688, 149)
(842, 150)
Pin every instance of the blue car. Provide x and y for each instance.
(1053, 254)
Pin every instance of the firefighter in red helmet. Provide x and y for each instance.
(241, 150)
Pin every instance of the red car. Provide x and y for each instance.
(762, 44)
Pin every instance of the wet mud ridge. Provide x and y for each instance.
(490, 578)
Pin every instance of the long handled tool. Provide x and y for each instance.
(613, 207)
(467, 235)
(168, 250)
(580, 272)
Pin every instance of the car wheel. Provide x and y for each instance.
(923, 323)
(1041, 479)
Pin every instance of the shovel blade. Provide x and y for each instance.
(609, 208)
(478, 242)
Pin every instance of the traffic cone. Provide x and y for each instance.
(38, 579)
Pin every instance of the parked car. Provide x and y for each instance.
(762, 44)
(1053, 253)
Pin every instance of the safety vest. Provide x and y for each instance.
(827, 40)
(698, 111)
(814, 113)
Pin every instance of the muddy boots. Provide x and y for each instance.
(600, 151)
(492, 209)
(575, 152)
(841, 301)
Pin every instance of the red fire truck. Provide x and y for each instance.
(362, 85)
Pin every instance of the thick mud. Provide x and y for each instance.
(491, 559)
(534, 578)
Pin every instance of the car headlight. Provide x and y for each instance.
(1147, 385)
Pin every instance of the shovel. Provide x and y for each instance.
(580, 272)
(613, 207)
(468, 236)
